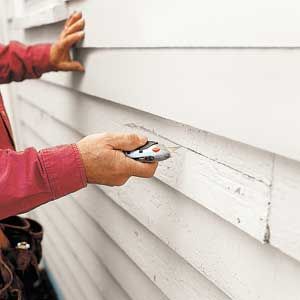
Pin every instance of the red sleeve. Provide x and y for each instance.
(30, 178)
(19, 62)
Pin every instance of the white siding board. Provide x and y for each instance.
(53, 219)
(184, 227)
(230, 92)
(70, 290)
(36, 5)
(238, 198)
(284, 217)
(134, 281)
(238, 265)
(68, 254)
(53, 14)
(96, 270)
(175, 277)
(192, 23)
(202, 239)
(65, 291)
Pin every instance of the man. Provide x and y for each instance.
(30, 178)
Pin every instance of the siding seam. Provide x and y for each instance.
(133, 125)
(267, 236)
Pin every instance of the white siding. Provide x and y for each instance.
(201, 238)
(219, 220)
(175, 23)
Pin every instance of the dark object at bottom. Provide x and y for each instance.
(20, 255)
(43, 289)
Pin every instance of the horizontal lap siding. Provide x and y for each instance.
(91, 269)
(248, 95)
(192, 23)
(245, 89)
(229, 189)
(206, 242)
(199, 229)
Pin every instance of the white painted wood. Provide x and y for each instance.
(238, 198)
(54, 221)
(36, 5)
(284, 217)
(247, 95)
(191, 23)
(169, 272)
(134, 281)
(72, 261)
(56, 270)
(127, 273)
(51, 14)
(59, 266)
(7, 10)
(64, 292)
(227, 257)
(98, 273)
(96, 270)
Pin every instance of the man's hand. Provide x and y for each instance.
(60, 51)
(104, 160)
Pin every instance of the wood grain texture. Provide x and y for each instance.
(192, 23)
(237, 197)
(246, 95)
(284, 217)
(209, 244)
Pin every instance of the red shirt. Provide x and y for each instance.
(30, 178)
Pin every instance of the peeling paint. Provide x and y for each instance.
(267, 236)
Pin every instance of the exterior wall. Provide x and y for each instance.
(220, 219)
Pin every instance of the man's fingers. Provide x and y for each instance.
(73, 18)
(77, 26)
(71, 66)
(72, 39)
(67, 24)
(127, 142)
(139, 169)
